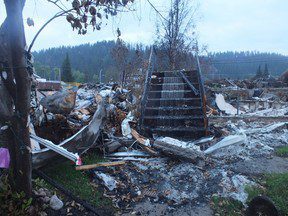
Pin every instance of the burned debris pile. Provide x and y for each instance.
(142, 166)
(231, 98)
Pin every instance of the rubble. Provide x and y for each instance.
(227, 141)
(179, 153)
(133, 153)
(166, 170)
(234, 187)
(181, 144)
(108, 181)
(224, 106)
(55, 203)
(61, 102)
(126, 130)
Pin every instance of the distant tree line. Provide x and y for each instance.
(88, 61)
(245, 64)
(111, 58)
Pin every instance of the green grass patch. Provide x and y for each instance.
(78, 182)
(282, 151)
(276, 188)
(253, 191)
(226, 207)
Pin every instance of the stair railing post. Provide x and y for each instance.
(146, 88)
(202, 91)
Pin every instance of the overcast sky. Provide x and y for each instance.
(222, 24)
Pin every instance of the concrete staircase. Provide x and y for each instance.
(175, 105)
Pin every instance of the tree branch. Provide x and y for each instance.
(40, 30)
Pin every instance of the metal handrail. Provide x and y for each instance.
(202, 91)
(146, 88)
(196, 92)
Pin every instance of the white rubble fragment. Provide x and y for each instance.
(179, 143)
(202, 140)
(123, 105)
(4, 75)
(106, 93)
(227, 141)
(39, 115)
(55, 203)
(41, 80)
(58, 148)
(5, 127)
(133, 153)
(125, 127)
(129, 159)
(108, 180)
(86, 118)
(125, 90)
(82, 104)
(266, 129)
(110, 108)
(271, 112)
(225, 107)
(147, 143)
(34, 144)
(234, 187)
(28, 121)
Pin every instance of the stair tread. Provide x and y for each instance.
(185, 129)
(180, 83)
(174, 117)
(188, 91)
(173, 108)
(174, 99)
(177, 71)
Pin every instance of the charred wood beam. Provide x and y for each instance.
(178, 152)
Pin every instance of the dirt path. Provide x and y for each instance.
(259, 166)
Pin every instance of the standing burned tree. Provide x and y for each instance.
(120, 55)
(16, 73)
(176, 35)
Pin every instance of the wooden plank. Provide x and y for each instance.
(92, 166)
(142, 140)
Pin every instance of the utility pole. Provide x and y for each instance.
(19, 147)
(100, 76)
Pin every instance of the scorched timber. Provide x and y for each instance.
(184, 154)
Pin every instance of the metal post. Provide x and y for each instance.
(100, 76)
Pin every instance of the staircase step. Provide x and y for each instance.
(178, 132)
(175, 73)
(172, 108)
(172, 94)
(161, 80)
(175, 102)
(192, 111)
(172, 86)
(174, 121)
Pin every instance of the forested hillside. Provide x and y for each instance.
(245, 64)
(88, 60)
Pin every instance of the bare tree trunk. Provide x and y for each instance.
(20, 145)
